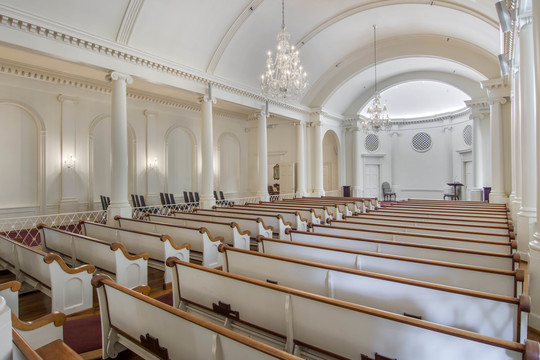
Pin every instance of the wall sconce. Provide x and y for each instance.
(69, 163)
(152, 165)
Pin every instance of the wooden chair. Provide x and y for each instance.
(387, 191)
(191, 197)
(186, 197)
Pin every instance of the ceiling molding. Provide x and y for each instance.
(128, 22)
(382, 3)
(226, 40)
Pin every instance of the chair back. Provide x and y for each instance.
(191, 198)
(186, 197)
(162, 198)
(196, 197)
(141, 198)
(171, 197)
(221, 194)
(386, 187)
(215, 195)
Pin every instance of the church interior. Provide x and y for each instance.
(182, 147)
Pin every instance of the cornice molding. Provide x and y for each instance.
(123, 53)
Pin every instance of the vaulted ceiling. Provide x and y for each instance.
(454, 41)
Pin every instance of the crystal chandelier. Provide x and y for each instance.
(378, 115)
(284, 77)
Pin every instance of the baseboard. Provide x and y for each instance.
(534, 322)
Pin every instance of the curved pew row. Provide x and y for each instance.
(458, 233)
(159, 247)
(495, 281)
(271, 219)
(374, 219)
(412, 250)
(365, 203)
(499, 316)
(203, 245)
(339, 330)
(322, 212)
(153, 329)
(439, 219)
(451, 214)
(438, 240)
(129, 270)
(347, 207)
(230, 232)
(298, 218)
(451, 206)
(255, 226)
(68, 288)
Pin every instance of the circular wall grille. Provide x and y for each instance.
(371, 143)
(421, 142)
(467, 135)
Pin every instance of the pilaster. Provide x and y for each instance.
(68, 147)
(301, 159)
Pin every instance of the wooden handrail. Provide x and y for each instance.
(490, 242)
(115, 246)
(279, 216)
(456, 290)
(417, 245)
(101, 279)
(505, 344)
(49, 258)
(57, 318)
(515, 273)
(261, 221)
(168, 238)
(13, 285)
(235, 225)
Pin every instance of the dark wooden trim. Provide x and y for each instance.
(57, 318)
(49, 258)
(24, 347)
(13, 285)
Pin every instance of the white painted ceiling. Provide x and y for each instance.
(228, 39)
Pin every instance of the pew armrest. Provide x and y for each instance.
(41, 331)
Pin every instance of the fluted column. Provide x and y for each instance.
(68, 201)
(357, 179)
(526, 217)
(479, 115)
(318, 187)
(534, 245)
(301, 158)
(516, 159)
(207, 151)
(119, 148)
(498, 92)
(262, 153)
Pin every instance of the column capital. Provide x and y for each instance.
(116, 75)
(148, 113)
(502, 100)
(65, 98)
(496, 88)
(479, 108)
(524, 19)
(206, 98)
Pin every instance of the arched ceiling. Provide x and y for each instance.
(228, 40)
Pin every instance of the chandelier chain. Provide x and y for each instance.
(283, 14)
(375, 53)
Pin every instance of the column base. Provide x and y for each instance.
(263, 196)
(515, 205)
(477, 194)
(318, 192)
(357, 191)
(526, 221)
(207, 201)
(301, 193)
(534, 281)
(69, 205)
(119, 209)
(498, 198)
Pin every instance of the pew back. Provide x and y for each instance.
(255, 226)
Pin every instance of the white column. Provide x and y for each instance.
(516, 160)
(301, 158)
(526, 217)
(357, 180)
(497, 194)
(479, 115)
(262, 153)
(119, 148)
(318, 188)
(534, 245)
(68, 134)
(207, 149)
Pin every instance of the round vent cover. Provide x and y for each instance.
(421, 142)
(371, 143)
(467, 135)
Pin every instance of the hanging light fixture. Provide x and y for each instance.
(284, 77)
(378, 115)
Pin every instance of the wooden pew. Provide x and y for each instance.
(463, 205)
(68, 288)
(502, 282)
(322, 212)
(458, 233)
(230, 232)
(502, 317)
(276, 221)
(457, 225)
(10, 292)
(159, 331)
(130, 270)
(368, 203)
(347, 207)
(159, 247)
(415, 216)
(438, 240)
(255, 227)
(419, 251)
(313, 324)
(447, 213)
(298, 218)
(203, 245)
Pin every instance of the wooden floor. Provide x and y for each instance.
(35, 304)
